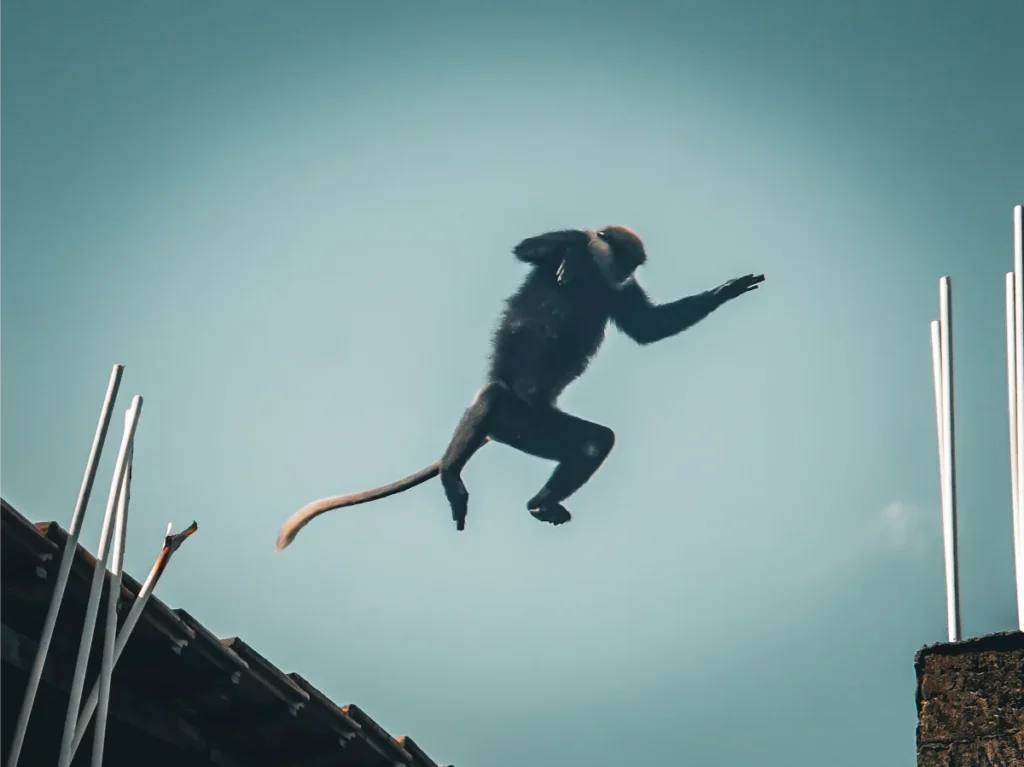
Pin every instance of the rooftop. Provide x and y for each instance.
(180, 694)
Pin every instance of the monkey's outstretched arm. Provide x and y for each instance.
(646, 322)
(303, 516)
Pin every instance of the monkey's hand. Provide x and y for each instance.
(737, 287)
(567, 268)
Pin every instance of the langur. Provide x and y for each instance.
(550, 330)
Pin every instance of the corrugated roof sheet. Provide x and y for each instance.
(219, 696)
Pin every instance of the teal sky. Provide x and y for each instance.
(292, 223)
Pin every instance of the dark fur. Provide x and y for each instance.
(548, 333)
(551, 328)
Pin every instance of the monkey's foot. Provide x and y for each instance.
(458, 499)
(459, 516)
(556, 514)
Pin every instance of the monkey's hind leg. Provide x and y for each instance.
(583, 446)
(470, 435)
(579, 446)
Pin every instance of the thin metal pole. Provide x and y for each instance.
(171, 544)
(64, 570)
(949, 517)
(1018, 309)
(93, 605)
(939, 427)
(114, 596)
(1011, 390)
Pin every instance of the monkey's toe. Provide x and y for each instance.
(459, 513)
(458, 498)
(555, 514)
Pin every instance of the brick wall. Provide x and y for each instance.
(970, 703)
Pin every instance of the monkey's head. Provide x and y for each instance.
(617, 252)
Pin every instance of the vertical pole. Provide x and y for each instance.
(114, 596)
(940, 430)
(64, 570)
(939, 427)
(93, 604)
(1018, 337)
(949, 516)
(1011, 389)
(171, 544)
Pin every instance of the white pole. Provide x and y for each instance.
(939, 427)
(1011, 389)
(114, 596)
(171, 544)
(1018, 311)
(949, 517)
(64, 570)
(93, 605)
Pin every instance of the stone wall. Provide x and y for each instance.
(970, 703)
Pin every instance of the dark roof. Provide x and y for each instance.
(218, 699)
(1002, 641)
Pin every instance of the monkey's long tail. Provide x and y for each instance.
(303, 516)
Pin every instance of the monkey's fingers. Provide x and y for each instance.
(555, 514)
(565, 272)
(748, 283)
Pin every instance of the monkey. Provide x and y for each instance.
(551, 327)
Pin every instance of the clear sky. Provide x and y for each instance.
(292, 222)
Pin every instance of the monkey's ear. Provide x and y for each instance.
(550, 246)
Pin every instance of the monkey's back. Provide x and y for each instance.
(547, 336)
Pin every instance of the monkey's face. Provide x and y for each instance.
(617, 252)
